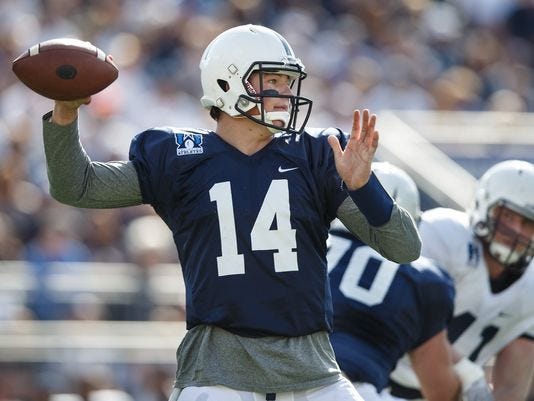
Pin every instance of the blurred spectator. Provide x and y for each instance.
(10, 243)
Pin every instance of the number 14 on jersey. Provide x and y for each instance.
(275, 207)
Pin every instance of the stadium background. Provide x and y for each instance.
(93, 299)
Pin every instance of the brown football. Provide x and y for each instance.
(65, 69)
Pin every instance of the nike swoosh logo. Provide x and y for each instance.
(285, 170)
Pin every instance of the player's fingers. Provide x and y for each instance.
(79, 102)
(375, 139)
(365, 116)
(365, 126)
(355, 131)
(369, 129)
(372, 122)
(74, 104)
(335, 145)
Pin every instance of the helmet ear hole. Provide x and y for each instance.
(223, 85)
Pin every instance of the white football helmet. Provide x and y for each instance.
(509, 184)
(227, 64)
(400, 186)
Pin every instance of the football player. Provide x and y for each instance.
(383, 310)
(488, 252)
(249, 206)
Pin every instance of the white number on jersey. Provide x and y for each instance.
(461, 323)
(275, 206)
(363, 258)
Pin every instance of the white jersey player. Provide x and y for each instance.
(488, 252)
(383, 310)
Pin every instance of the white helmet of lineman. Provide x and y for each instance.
(509, 184)
(230, 59)
(400, 186)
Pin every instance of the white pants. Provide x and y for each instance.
(342, 390)
(368, 392)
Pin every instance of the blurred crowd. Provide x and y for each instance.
(391, 54)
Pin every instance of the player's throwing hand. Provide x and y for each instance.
(354, 162)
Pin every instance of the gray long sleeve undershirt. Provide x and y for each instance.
(77, 181)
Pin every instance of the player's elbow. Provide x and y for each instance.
(413, 250)
(406, 255)
(408, 249)
(60, 197)
(63, 196)
(409, 243)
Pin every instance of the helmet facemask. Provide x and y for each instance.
(516, 253)
(252, 103)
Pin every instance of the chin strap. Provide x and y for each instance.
(272, 116)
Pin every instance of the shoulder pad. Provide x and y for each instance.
(177, 130)
(318, 132)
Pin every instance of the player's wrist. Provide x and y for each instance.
(373, 201)
(63, 119)
(64, 113)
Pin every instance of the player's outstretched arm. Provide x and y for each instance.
(76, 180)
(369, 212)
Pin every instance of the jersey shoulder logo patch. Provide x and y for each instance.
(188, 144)
(473, 253)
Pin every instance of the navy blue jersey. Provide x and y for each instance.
(382, 309)
(250, 230)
